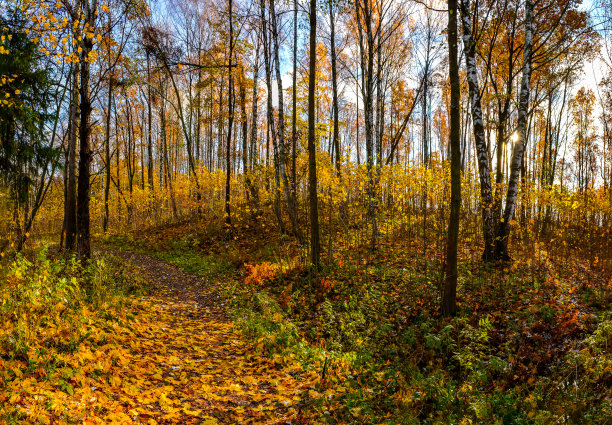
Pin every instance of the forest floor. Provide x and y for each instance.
(370, 344)
(181, 324)
(195, 364)
(132, 339)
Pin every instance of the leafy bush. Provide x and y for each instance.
(55, 314)
(265, 323)
(582, 394)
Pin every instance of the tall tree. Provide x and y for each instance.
(107, 154)
(334, 77)
(28, 125)
(254, 123)
(89, 10)
(315, 244)
(294, 104)
(149, 124)
(521, 131)
(449, 304)
(367, 45)
(482, 150)
(289, 198)
(270, 117)
(230, 124)
(70, 215)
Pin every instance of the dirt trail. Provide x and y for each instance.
(174, 283)
(190, 365)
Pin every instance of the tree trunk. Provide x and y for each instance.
(107, 156)
(142, 154)
(502, 122)
(130, 147)
(252, 156)
(230, 103)
(449, 305)
(185, 129)
(315, 245)
(378, 125)
(367, 65)
(166, 165)
(149, 132)
(249, 190)
(83, 190)
(501, 248)
(289, 199)
(424, 106)
(294, 112)
(334, 76)
(486, 196)
(270, 128)
(71, 201)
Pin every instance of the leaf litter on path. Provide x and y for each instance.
(171, 358)
(189, 364)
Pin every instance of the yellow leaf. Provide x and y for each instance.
(115, 381)
(191, 412)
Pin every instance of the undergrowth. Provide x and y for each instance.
(63, 327)
(531, 344)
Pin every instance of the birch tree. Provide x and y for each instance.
(501, 251)
(486, 195)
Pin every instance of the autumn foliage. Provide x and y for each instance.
(187, 238)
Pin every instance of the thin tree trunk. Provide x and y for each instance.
(198, 142)
(164, 137)
(71, 201)
(149, 131)
(142, 154)
(424, 108)
(252, 157)
(186, 131)
(315, 245)
(83, 190)
(367, 65)
(65, 172)
(230, 102)
(357, 145)
(254, 111)
(486, 196)
(211, 113)
(270, 128)
(332, 49)
(130, 148)
(502, 120)
(517, 154)
(107, 156)
(220, 121)
(449, 304)
(289, 199)
(378, 124)
(294, 112)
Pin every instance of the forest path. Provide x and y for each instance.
(191, 365)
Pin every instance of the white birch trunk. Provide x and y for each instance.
(486, 195)
(519, 148)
